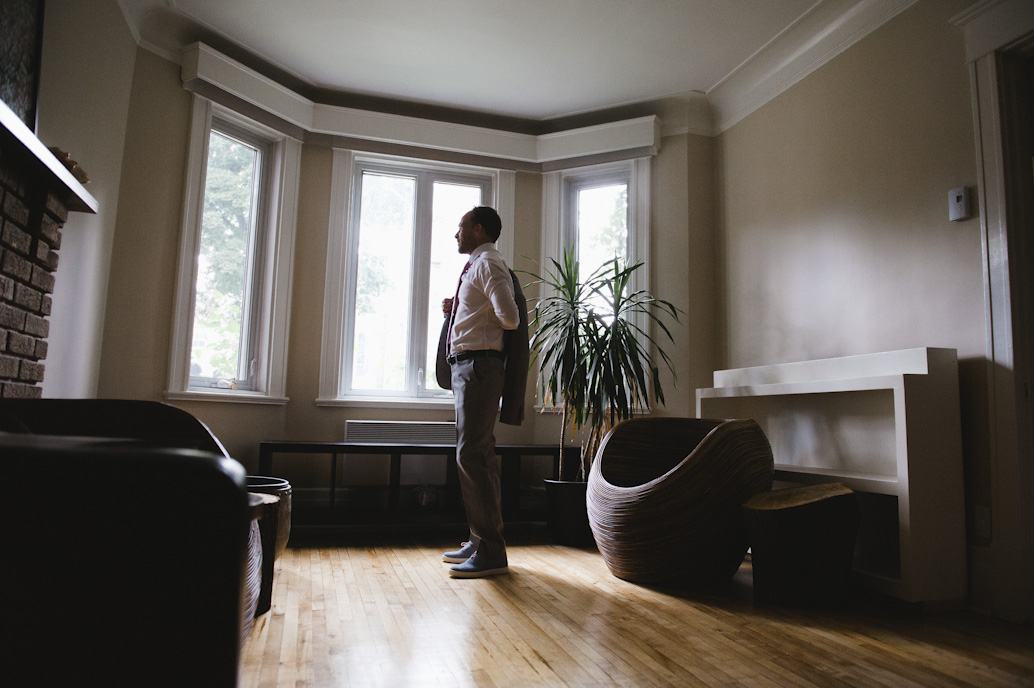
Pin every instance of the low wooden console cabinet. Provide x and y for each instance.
(887, 426)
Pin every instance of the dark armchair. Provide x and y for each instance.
(125, 558)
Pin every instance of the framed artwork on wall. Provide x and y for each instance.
(21, 44)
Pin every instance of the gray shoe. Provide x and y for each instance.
(465, 552)
(472, 568)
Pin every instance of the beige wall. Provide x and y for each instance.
(701, 271)
(143, 264)
(681, 264)
(833, 231)
(83, 106)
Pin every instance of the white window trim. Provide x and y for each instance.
(204, 64)
(555, 212)
(334, 343)
(271, 381)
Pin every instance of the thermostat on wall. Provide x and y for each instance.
(958, 204)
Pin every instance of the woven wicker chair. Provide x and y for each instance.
(664, 497)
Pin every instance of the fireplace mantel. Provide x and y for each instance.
(40, 164)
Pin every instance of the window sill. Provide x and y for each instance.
(558, 410)
(431, 403)
(226, 396)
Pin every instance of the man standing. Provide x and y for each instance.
(483, 310)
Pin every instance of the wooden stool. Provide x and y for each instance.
(802, 543)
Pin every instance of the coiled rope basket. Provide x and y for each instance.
(665, 494)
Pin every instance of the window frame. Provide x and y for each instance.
(270, 264)
(559, 219)
(574, 183)
(342, 260)
(559, 189)
(251, 318)
(425, 177)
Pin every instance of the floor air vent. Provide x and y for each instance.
(400, 432)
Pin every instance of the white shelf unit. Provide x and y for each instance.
(887, 426)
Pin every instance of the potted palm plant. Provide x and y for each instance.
(597, 367)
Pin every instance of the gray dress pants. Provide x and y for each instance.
(477, 385)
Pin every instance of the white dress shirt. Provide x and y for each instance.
(486, 303)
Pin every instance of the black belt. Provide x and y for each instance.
(480, 353)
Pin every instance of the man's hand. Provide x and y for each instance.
(447, 307)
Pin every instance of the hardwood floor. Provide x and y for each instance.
(389, 615)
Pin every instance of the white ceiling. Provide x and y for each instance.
(531, 60)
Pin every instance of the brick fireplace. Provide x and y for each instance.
(36, 194)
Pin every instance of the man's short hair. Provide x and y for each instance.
(489, 220)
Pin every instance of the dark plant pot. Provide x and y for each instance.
(568, 517)
(282, 489)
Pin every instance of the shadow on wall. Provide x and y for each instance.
(974, 375)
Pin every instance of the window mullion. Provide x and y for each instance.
(351, 271)
(569, 224)
(421, 279)
(254, 271)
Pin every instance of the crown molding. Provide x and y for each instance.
(425, 133)
(826, 30)
(627, 134)
(202, 63)
(209, 65)
(992, 24)
(817, 37)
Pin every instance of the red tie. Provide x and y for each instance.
(455, 305)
